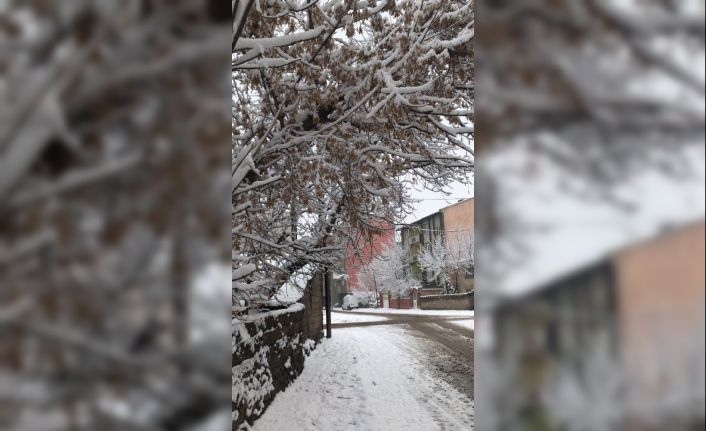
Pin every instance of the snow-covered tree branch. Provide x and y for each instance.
(112, 118)
(391, 271)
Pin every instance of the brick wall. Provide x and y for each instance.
(461, 301)
(269, 351)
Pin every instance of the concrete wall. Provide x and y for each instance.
(458, 220)
(459, 216)
(462, 301)
(661, 310)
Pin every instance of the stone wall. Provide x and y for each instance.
(268, 353)
(460, 301)
(313, 301)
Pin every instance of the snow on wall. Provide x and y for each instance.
(267, 356)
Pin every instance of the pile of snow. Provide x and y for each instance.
(255, 315)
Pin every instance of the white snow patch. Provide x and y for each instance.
(352, 318)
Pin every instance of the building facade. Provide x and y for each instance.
(634, 320)
(451, 223)
(419, 235)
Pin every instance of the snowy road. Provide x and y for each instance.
(401, 373)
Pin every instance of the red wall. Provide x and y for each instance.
(366, 253)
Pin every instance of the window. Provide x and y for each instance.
(552, 338)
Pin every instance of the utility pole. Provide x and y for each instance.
(327, 300)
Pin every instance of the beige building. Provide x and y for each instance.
(452, 223)
(633, 321)
(458, 225)
(660, 297)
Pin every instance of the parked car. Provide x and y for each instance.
(350, 302)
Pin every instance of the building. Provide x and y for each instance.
(449, 223)
(458, 224)
(591, 316)
(416, 236)
(635, 317)
(355, 280)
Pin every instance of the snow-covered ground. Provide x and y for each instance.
(337, 317)
(417, 312)
(369, 378)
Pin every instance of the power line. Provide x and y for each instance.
(436, 230)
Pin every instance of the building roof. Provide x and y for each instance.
(423, 219)
(438, 212)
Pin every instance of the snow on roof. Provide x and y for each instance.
(561, 231)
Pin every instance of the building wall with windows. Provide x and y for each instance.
(420, 234)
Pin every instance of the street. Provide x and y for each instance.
(383, 372)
